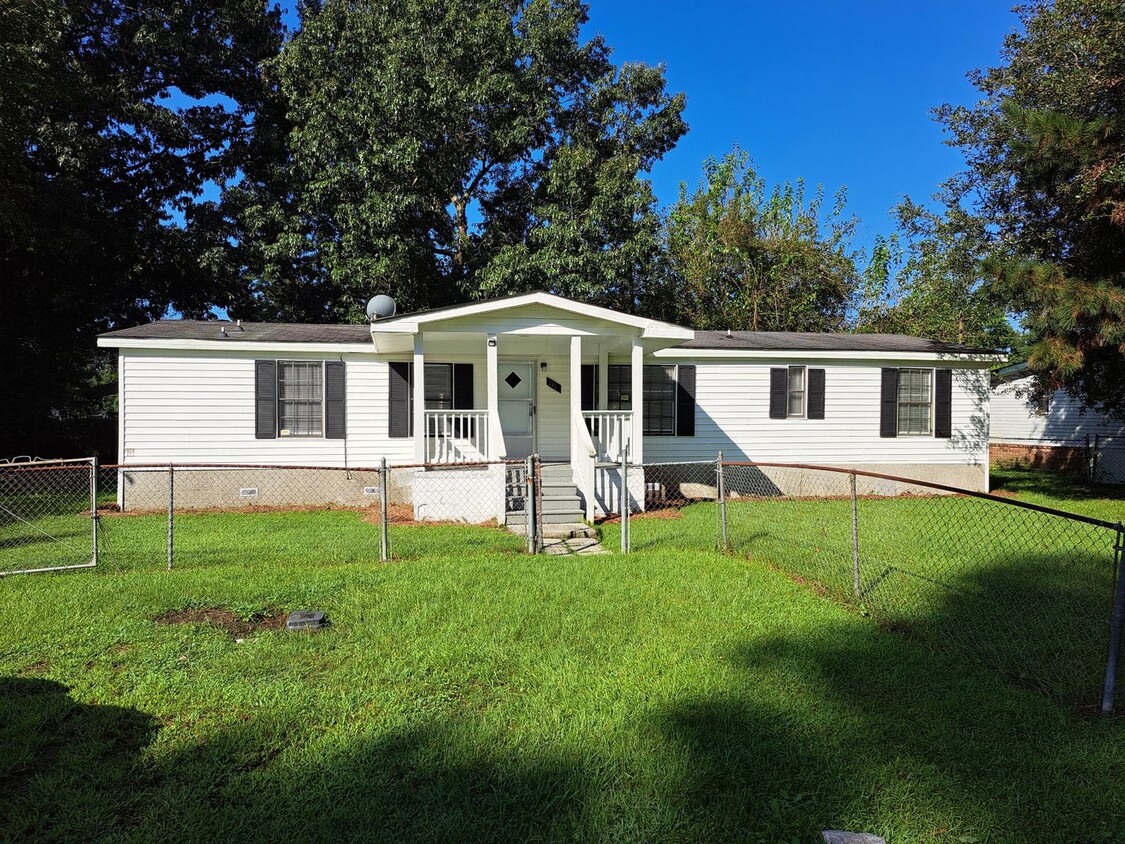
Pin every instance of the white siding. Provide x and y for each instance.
(1014, 418)
(198, 407)
(732, 414)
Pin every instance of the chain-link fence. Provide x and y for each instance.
(57, 515)
(1097, 458)
(47, 515)
(1030, 592)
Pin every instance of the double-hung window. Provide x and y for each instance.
(795, 402)
(914, 402)
(300, 398)
(660, 396)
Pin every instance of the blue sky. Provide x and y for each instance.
(837, 92)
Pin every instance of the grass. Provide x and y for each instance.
(1024, 593)
(472, 693)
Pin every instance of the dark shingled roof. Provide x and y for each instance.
(800, 341)
(260, 332)
(772, 341)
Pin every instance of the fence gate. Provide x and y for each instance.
(48, 515)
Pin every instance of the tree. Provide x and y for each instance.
(444, 149)
(744, 256)
(114, 117)
(1046, 155)
(927, 280)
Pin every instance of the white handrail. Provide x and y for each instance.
(611, 432)
(584, 457)
(456, 436)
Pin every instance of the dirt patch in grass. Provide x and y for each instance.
(666, 514)
(226, 620)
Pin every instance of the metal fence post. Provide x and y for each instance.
(529, 504)
(856, 585)
(1115, 623)
(625, 506)
(171, 511)
(384, 529)
(721, 491)
(94, 507)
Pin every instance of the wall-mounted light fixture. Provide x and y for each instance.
(542, 364)
(492, 342)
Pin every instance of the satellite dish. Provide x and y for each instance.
(380, 307)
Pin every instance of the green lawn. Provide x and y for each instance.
(469, 692)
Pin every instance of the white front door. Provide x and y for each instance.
(516, 388)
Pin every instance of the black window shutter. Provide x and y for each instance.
(463, 386)
(779, 392)
(685, 401)
(943, 403)
(335, 400)
(815, 409)
(398, 400)
(463, 395)
(265, 399)
(888, 405)
(589, 386)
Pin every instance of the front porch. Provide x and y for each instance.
(528, 375)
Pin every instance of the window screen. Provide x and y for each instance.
(796, 391)
(439, 386)
(300, 397)
(619, 385)
(914, 401)
(660, 401)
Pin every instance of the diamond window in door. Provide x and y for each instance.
(513, 380)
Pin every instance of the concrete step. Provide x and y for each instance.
(561, 530)
(561, 517)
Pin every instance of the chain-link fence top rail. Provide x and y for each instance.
(1024, 589)
(45, 515)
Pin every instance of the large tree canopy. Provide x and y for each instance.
(1046, 154)
(113, 118)
(927, 280)
(741, 255)
(443, 149)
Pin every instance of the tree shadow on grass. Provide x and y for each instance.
(75, 771)
(878, 735)
(67, 769)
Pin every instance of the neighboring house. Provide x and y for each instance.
(1056, 432)
(579, 385)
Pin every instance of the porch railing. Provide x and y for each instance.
(611, 431)
(456, 436)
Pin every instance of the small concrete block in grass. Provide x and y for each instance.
(306, 620)
(836, 836)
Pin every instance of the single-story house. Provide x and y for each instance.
(1056, 431)
(582, 386)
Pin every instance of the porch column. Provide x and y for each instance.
(603, 379)
(636, 444)
(419, 400)
(495, 435)
(575, 393)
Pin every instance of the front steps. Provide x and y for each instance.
(562, 516)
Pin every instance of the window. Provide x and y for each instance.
(300, 398)
(660, 400)
(914, 400)
(659, 396)
(1043, 405)
(619, 383)
(796, 391)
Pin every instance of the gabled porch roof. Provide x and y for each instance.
(529, 315)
